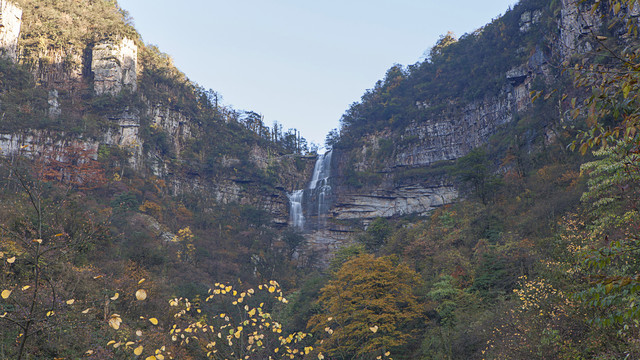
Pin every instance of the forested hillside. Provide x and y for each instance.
(480, 204)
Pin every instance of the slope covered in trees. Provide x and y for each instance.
(538, 259)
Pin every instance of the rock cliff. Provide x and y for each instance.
(369, 180)
(114, 67)
(10, 22)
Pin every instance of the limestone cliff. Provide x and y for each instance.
(370, 168)
(10, 22)
(104, 89)
(114, 67)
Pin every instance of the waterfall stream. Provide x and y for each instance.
(295, 209)
(315, 199)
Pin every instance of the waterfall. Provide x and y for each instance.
(321, 189)
(316, 196)
(295, 210)
(321, 171)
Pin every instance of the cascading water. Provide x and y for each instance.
(295, 211)
(321, 170)
(316, 196)
(321, 189)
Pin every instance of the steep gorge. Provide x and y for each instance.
(393, 146)
(397, 143)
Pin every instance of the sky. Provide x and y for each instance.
(300, 62)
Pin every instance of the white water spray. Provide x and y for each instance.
(295, 209)
(316, 196)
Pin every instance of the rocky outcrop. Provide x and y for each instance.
(37, 143)
(60, 68)
(576, 22)
(529, 19)
(456, 132)
(10, 23)
(320, 245)
(404, 200)
(173, 123)
(153, 226)
(114, 67)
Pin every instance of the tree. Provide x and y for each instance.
(368, 309)
(611, 259)
(332, 138)
(376, 235)
(474, 169)
(43, 232)
(441, 44)
(612, 113)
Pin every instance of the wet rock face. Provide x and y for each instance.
(10, 23)
(114, 67)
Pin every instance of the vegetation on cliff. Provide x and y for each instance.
(537, 261)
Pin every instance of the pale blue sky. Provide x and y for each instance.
(300, 62)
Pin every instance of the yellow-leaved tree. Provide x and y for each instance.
(368, 309)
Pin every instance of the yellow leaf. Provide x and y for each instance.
(39, 241)
(97, 277)
(115, 321)
(26, 287)
(374, 329)
(154, 321)
(56, 235)
(141, 281)
(5, 294)
(616, 8)
(86, 311)
(151, 358)
(272, 289)
(50, 313)
(139, 332)
(89, 352)
(129, 343)
(70, 301)
(141, 294)
(115, 296)
(111, 342)
(138, 350)
(11, 260)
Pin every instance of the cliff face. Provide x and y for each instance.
(152, 114)
(418, 119)
(394, 171)
(114, 67)
(10, 22)
(443, 136)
